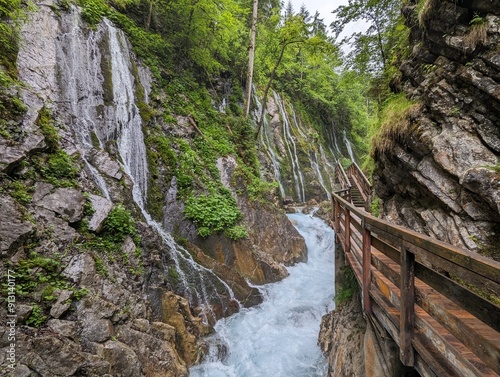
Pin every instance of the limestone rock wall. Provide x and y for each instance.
(444, 179)
(94, 306)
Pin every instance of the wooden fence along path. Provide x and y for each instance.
(438, 302)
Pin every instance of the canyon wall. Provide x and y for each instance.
(441, 176)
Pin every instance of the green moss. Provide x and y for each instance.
(19, 191)
(49, 131)
(58, 169)
(348, 286)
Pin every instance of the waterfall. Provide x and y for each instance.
(101, 105)
(266, 137)
(292, 151)
(279, 337)
(330, 169)
(349, 147)
(315, 165)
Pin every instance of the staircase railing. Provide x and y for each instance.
(438, 302)
(362, 183)
(341, 177)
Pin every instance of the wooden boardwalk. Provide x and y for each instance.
(438, 302)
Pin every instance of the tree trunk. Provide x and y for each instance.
(251, 57)
(148, 21)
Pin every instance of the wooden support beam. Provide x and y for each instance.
(367, 246)
(347, 231)
(407, 308)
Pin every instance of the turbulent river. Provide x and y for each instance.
(279, 337)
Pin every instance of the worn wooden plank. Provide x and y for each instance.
(407, 307)
(435, 262)
(347, 231)
(470, 301)
(457, 355)
(471, 261)
(440, 337)
(367, 245)
(481, 339)
(385, 248)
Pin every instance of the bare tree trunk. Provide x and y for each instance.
(148, 21)
(251, 57)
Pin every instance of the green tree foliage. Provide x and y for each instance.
(371, 47)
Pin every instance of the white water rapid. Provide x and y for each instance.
(279, 337)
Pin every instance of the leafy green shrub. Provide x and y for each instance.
(59, 169)
(36, 317)
(119, 224)
(236, 232)
(93, 11)
(212, 213)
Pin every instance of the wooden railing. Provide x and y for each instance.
(341, 177)
(439, 303)
(360, 180)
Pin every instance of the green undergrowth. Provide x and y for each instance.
(348, 286)
(396, 123)
(38, 278)
(107, 246)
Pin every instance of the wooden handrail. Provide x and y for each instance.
(362, 183)
(341, 176)
(434, 299)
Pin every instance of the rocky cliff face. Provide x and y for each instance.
(443, 178)
(295, 155)
(101, 287)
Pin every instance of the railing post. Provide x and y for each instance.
(407, 318)
(337, 217)
(347, 231)
(367, 246)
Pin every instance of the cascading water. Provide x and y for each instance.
(96, 120)
(279, 337)
(349, 146)
(315, 165)
(292, 151)
(330, 169)
(265, 139)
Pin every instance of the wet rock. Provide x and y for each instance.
(14, 231)
(80, 269)
(105, 164)
(95, 329)
(23, 311)
(66, 202)
(60, 357)
(174, 311)
(63, 328)
(102, 207)
(122, 359)
(12, 155)
(62, 304)
(54, 225)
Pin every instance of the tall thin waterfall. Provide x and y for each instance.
(267, 141)
(292, 150)
(97, 118)
(315, 165)
(348, 146)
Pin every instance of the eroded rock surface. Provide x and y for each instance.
(443, 180)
